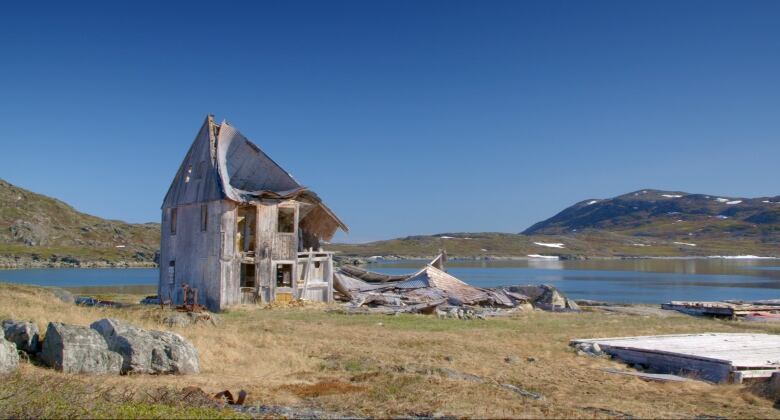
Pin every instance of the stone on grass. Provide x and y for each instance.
(9, 357)
(183, 319)
(147, 351)
(75, 349)
(22, 333)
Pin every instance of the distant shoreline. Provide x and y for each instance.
(15, 263)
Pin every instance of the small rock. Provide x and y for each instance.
(183, 319)
(75, 349)
(9, 357)
(510, 359)
(22, 333)
(449, 358)
(531, 359)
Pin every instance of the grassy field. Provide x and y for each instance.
(376, 366)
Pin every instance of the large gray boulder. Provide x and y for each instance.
(22, 333)
(9, 357)
(75, 349)
(147, 351)
(546, 297)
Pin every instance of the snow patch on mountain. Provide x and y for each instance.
(550, 245)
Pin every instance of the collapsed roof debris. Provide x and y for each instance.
(432, 290)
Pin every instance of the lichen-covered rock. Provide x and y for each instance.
(75, 349)
(146, 351)
(9, 357)
(22, 333)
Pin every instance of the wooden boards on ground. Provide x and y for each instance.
(714, 357)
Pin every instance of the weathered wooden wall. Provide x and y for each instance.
(196, 253)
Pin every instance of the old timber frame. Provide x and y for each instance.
(239, 229)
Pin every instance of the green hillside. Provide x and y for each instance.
(39, 230)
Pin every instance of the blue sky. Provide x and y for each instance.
(407, 117)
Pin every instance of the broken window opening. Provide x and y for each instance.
(286, 220)
(248, 275)
(246, 227)
(172, 272)
(189, 173)
(284, 275)
(204, 217)
(174, 212)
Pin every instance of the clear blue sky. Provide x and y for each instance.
(407, 117)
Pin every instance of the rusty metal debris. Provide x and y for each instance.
(227, 397)
(190, 299)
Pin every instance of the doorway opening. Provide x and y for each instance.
(246, 227)
(284, 274)
(248, 275)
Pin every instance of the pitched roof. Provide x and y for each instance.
(223, 164)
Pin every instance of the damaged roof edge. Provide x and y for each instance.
(273, 174)
(238, 170)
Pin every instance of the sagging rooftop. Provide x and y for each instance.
(239, 229)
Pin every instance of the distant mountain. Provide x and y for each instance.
(641, 223)
(654, 213)
(36, 230)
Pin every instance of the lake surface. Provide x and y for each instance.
(630, 281)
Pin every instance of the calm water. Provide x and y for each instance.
(640, 281)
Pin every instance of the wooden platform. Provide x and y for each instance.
(714, 357)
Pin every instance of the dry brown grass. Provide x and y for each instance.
(394, 366)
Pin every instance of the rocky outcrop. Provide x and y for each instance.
(146, 351)
(9, 357)
(22, 333)
(546, 297)
(75, 349)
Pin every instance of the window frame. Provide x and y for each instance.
(279, 216)
(174, 216)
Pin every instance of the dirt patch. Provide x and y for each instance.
(319, 389)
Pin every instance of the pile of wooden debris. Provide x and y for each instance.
(761, 310)
(432, 290)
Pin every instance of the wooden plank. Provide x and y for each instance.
(660, 377)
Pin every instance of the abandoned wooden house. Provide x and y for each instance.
(239, 228)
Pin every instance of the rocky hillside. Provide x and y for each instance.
(655, 213)
(36, 230)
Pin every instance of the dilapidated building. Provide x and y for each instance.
(238, 228)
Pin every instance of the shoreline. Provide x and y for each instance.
(16, 263)
(562, 258)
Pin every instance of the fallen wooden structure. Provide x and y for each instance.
(713, 357)
(725, 309)
(432, 290)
